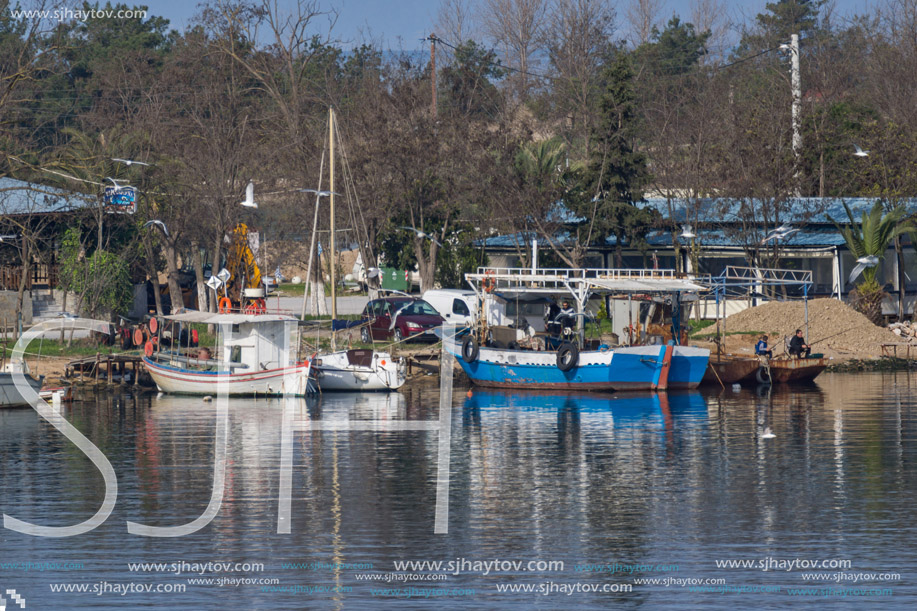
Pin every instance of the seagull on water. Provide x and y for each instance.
(768, 434)
(130, 162)
(250, 196)
(421, 234)
(779, 233)
(161, 226)
(862, 264)
(860, 152)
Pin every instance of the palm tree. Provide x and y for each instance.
(871, 236)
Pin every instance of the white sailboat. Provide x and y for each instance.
(351, 370)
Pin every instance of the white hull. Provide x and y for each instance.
(172, 379)
(335, 371)
(10, 395)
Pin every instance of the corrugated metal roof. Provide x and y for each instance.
(21, 197)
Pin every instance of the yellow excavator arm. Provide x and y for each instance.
(240, 262)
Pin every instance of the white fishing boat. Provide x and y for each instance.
(357, 370)
(255, 354)
(9, 394)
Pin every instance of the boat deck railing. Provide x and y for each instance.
(562, 278)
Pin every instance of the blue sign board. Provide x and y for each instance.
(120, 200)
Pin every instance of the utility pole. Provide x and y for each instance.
(797, 109)
(433, 72)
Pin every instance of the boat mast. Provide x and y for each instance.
(334, 305)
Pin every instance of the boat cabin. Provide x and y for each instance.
(246, 342)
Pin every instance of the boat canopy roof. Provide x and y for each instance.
(226, 319)
(645, 285)
(525, 297)
(509, 282)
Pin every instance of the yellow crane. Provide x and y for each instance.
(244, 273)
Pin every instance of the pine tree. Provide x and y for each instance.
(616, 173)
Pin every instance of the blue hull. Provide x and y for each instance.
(638, 368)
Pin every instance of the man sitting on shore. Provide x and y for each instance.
(798, 346)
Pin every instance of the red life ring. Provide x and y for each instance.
(154, 325)
(148, 349)
(225, 305)
(138, 337)
(258, 306)
(489, 283)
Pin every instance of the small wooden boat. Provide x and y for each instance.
(738, 369)
(787, 371)
(65, 393)
(255, 356)
(358, 370)
(731, 369)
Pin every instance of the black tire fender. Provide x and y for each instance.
(470, 349)
(567, 356)
(762, 376)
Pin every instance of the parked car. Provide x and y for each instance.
(457, 306)
(414, 318)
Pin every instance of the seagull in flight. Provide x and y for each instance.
(860, 152)
(421, 234)
(784, 231)
(130, 162)
(687, 232)
(862, 264)
(157, 222)
(8, 238)
(320, 193)
(250, 196)
(115, 182)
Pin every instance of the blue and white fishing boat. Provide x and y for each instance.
(547, 352)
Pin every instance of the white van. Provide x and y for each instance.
(457, 306)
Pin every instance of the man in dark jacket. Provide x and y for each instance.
(799, 347)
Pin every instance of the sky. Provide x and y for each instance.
(402, 23)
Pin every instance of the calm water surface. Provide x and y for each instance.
(602, 494)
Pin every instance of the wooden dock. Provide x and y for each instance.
(106, 368)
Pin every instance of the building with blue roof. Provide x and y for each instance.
(725, 236)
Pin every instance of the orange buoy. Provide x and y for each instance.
(154, 325)
(148, 349)
(138, 337)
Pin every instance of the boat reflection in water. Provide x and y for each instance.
(591, 410)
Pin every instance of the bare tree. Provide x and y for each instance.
(579, 42)
(455, 20)
(643, 16)
(711, 16)
(516, 26)
(291, 73)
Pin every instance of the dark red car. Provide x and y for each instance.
(414, 318)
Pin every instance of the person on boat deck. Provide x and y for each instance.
(761, 348)
(798, 346)
(566, 316)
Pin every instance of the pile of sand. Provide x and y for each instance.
(835, 329)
